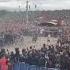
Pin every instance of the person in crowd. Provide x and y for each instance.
(3, 63)
(17, 55)
(12, 57)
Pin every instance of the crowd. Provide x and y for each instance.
(47, 56)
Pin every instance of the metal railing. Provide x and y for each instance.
(23, 66)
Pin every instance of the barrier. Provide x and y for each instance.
(43, 68)
(33, 67)
(52, 69)
(16, 66)
(23, 66)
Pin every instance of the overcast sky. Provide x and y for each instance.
(41, 4)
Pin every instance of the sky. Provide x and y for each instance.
(41, 4)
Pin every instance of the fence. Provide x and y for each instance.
(23, 66)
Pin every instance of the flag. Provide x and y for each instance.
(29, 6)
(35, 6)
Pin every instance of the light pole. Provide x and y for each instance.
(27, 5)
